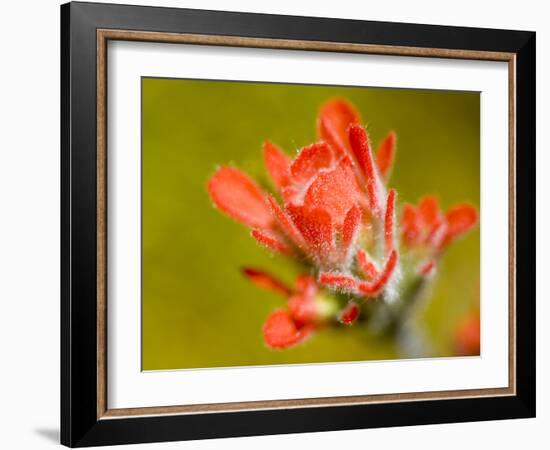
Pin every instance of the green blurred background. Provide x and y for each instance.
(198, 310)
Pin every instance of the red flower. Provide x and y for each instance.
(304, 313)
(374, 279)
(332, 192)
(332, 210)
(467, 335)
(425, 224)
(426, 227)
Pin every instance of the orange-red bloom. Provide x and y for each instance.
(468, 335)
(303, 313)
(426, 225)
(331, 209)
(330, 192)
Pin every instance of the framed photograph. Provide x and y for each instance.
(276, 224)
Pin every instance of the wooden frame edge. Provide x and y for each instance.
(512, 329)
(101, 225)
(103, 35)
(290, 44)
(211, 408)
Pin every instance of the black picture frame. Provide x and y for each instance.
(80, 425)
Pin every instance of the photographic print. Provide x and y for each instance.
(298, 224)
(278, 224)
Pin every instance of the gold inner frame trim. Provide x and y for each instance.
(103, 36)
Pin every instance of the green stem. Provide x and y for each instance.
(397, 319)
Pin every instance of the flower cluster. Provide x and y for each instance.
(332, 210)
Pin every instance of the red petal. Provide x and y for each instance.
(310, 160)
(363, 154)
(367, 264)
(335, 191)
(286, 224)
(468, 335)
(385, 155)
(460, 219)
(426, 268)
(389, 222)
(271, 241)
(374, 288)
(302, 308)
(349, 314)
(410, 225)
(333, 122)
(429, 211)
(281, 331)
(291, 194)
(436, 239)
(266, 281)
(302, 305)
(316, 227)
(277, 164)
(306, 285)
(236, 194)
(338, 280)
(350, 229)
